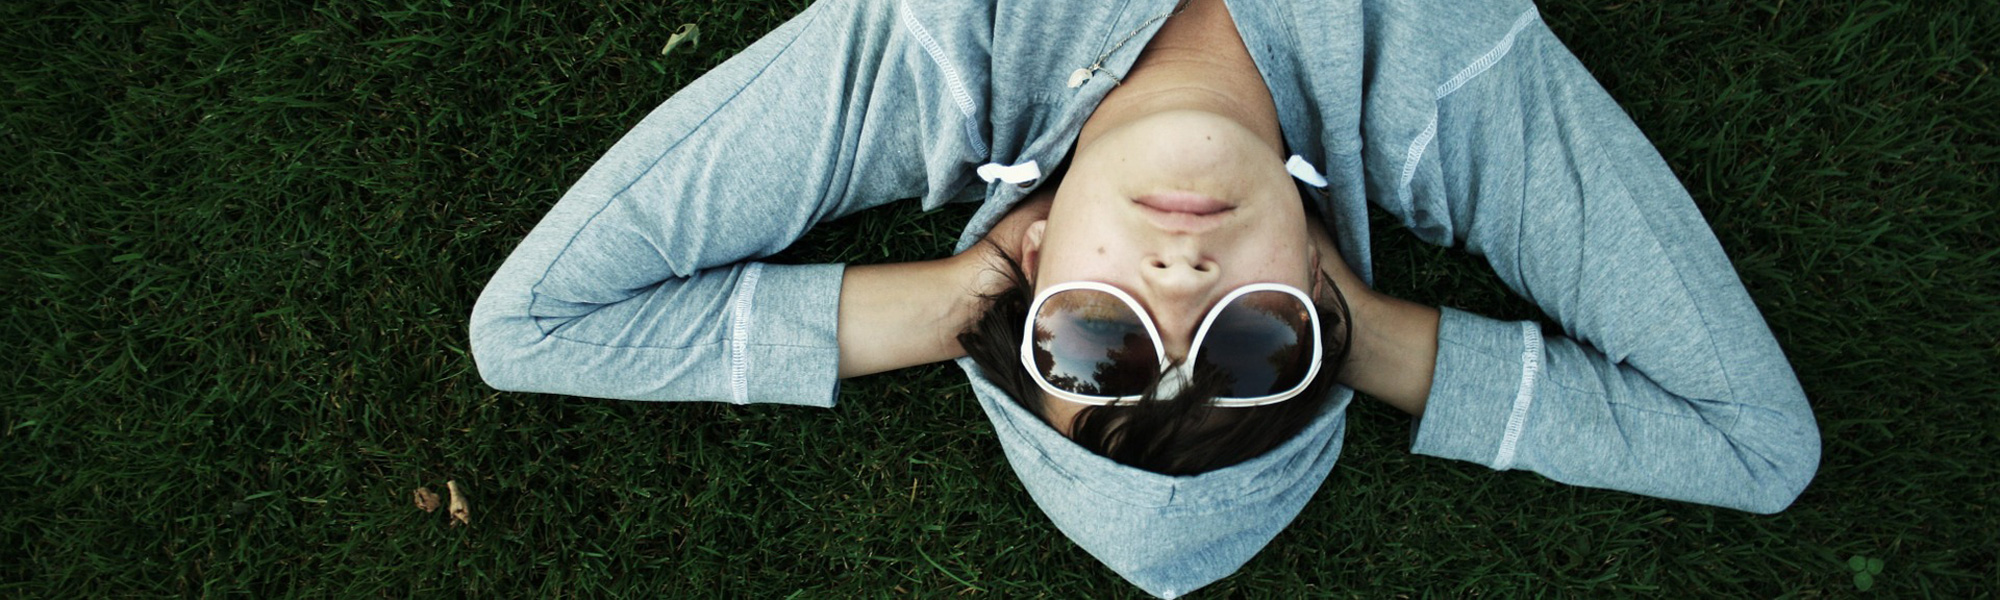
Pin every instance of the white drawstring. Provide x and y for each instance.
(1021, 173)
(1299, 168)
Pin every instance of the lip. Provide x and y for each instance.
(1183, 202)
(1184, 212)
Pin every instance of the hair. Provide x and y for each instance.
(1180, 435)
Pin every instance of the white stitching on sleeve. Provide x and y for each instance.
(1531, 365)
(739, 333)
(958, 93)
(1486, 61)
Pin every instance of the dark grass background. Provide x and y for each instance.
(240, 241)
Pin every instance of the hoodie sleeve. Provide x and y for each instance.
(642, 282)
(1664, 379)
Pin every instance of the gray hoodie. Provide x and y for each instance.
(1467, 121)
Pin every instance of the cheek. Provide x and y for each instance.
(1091, 257)
(1280, 254)
(1084, 244)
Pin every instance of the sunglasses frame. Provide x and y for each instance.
(1171, 380)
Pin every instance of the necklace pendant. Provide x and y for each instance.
(1078, 77)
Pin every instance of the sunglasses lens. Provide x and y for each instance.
(1262, 342)
(1091, 343)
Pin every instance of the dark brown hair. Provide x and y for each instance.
(1181, 435)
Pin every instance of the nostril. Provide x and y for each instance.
(1201, 268)
(1158, 264)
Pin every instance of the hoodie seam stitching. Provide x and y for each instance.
(953, 82)
(739, 334)
(1524, 397)
(1414, 156)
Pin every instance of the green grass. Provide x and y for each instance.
(241, 243)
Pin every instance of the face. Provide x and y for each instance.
(1176, 208)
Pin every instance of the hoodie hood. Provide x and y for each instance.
(1168, 535)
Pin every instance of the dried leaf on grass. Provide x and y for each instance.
(460, 513)
(688, 33)
(426, 499)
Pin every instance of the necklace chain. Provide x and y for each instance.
(1084, 74)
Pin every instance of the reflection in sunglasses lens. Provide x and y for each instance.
(1091, 343)
(1260, 342)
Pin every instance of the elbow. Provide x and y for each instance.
(499, 344)
(1795, 477)
(1791, 457)
(1779, 495)
(489, 358)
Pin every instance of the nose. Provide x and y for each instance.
(1179, 281)
(1179, 269)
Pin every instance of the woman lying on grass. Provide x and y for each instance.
(1174, 203)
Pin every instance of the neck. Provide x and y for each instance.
(1197, 61)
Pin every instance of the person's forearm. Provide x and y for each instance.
(1395, 340)
(1394, 352)
(902, 315)
(907, 314)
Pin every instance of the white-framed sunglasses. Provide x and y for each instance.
(1090, 342)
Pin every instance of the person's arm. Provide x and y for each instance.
(907, 314)
(1663, 379)
(900, 315)
(1394, 347)
(644, 282)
